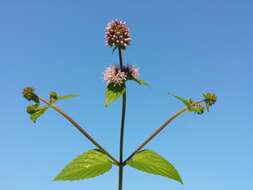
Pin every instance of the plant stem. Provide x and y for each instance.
(121, 165)
(157, 131)
(120, 59)
(80, 129)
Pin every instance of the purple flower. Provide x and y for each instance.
(132, 71)
(113, 74)
(117, 34)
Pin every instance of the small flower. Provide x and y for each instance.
(114, 74)
(117, 34)
(29, 94)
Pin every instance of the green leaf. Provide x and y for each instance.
(140, 82)
(37, 114)
(151, 162)
(113, 92)
(88, 165)
(68, 96)
(186, 102)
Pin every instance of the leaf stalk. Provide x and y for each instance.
(79, 128)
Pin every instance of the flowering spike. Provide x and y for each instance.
(117, 34)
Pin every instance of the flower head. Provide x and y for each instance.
(117, 34)
(29, 94)
(114, 74)
(210, 98)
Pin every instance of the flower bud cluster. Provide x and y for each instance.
(198, 107)
(53, 97)
(29, 94)
(117, 34)
(32, 109)
(210, 98)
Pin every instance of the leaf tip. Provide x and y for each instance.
(107, 104)
(171, 94)
(180, 180)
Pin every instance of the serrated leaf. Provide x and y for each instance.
(151, 162)
(113, 92)
(39, 113)
(68, 96)
(88, 165)
(141, 82)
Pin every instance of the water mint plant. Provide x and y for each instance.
(98, 161)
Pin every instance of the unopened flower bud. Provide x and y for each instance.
(32, 109)
(199, 109)
(191, 102)
(53, 97)
(29, 94)
(210, 98)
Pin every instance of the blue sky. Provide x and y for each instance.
(185, 47)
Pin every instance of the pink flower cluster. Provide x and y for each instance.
(117, 34)
(115, 75)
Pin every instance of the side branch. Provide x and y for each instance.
(159, 130)
(156, 133)
(73, 122)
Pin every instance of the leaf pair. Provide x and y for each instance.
(94, 163)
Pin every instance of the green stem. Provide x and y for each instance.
(157, 131)
(121, 165)
(120, 59)
(74, 123)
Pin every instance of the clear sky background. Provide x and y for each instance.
(185, 47)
